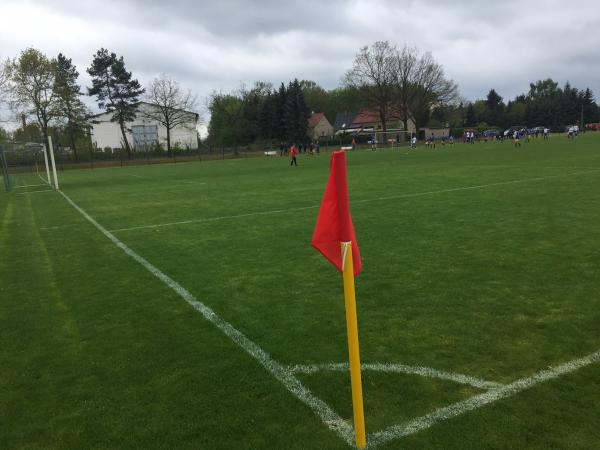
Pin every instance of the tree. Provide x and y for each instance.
(253, 101)
(115, 90)
(225, 114)
(406, 74)
(470, 118)
(373, 74)
(68, 105)
(171, 107)
(4, 82)
(317, 98)
(32, 78)
(4, 79)
(431, 88)
(343, 100)
(295, 113)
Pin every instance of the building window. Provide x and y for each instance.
(145, 137)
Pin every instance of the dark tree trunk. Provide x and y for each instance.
(72, 140)
(169, 153)
(125, 141)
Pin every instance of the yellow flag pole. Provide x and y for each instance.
(353, 350)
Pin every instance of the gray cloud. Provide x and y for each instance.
(218, 45)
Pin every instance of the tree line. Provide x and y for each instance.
(393, 82)
(45, 92)
(545, 104)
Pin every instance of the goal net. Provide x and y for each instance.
(27, 163)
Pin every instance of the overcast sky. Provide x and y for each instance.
(219, 44)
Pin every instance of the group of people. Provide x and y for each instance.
(431, 142)
(469, 137)
(572, 131)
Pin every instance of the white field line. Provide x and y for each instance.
(58, 227)
(398, 368)
(30, 185)
(35, 192)
(190, 182)
(352, 203)
(135, 176)
(329, 417)
(477, 401)
(212, 219)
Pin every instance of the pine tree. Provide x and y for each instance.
(69, 106)
(280, 130)
(115, 90)
(470, 118)
(296, 113)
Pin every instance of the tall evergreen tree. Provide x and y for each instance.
(280, 129)
(68, 105)
(115, 90)
(470, 118)
(296, 113)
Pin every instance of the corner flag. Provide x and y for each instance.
(334, 238)
(334, 223)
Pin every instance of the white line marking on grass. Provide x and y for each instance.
(477, 401)
(136, 176)
(398, 368)
(30, 185)
(212, 219)
(57, 227)
(352, 203)
(190, 182)
(480, 186)
(35, 192)
(329, 417)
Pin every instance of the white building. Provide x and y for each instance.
(144, 132)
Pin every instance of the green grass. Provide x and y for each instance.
(498, 281)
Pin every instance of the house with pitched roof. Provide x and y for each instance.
(369, 120)
(319, 126)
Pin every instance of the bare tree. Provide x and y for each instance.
(171, 107)
(431, 88)
(407, 63)
(373, 73)
(420, 85)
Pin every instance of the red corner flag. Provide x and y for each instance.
(334, 223)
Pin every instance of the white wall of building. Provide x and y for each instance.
(108, 134)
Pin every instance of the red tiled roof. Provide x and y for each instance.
(314, 120)
(372, 116)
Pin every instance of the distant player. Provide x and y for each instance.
(293, 154)
(516, 138)
(413, 142)
(546, 131)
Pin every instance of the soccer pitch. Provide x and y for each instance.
(182, 306)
